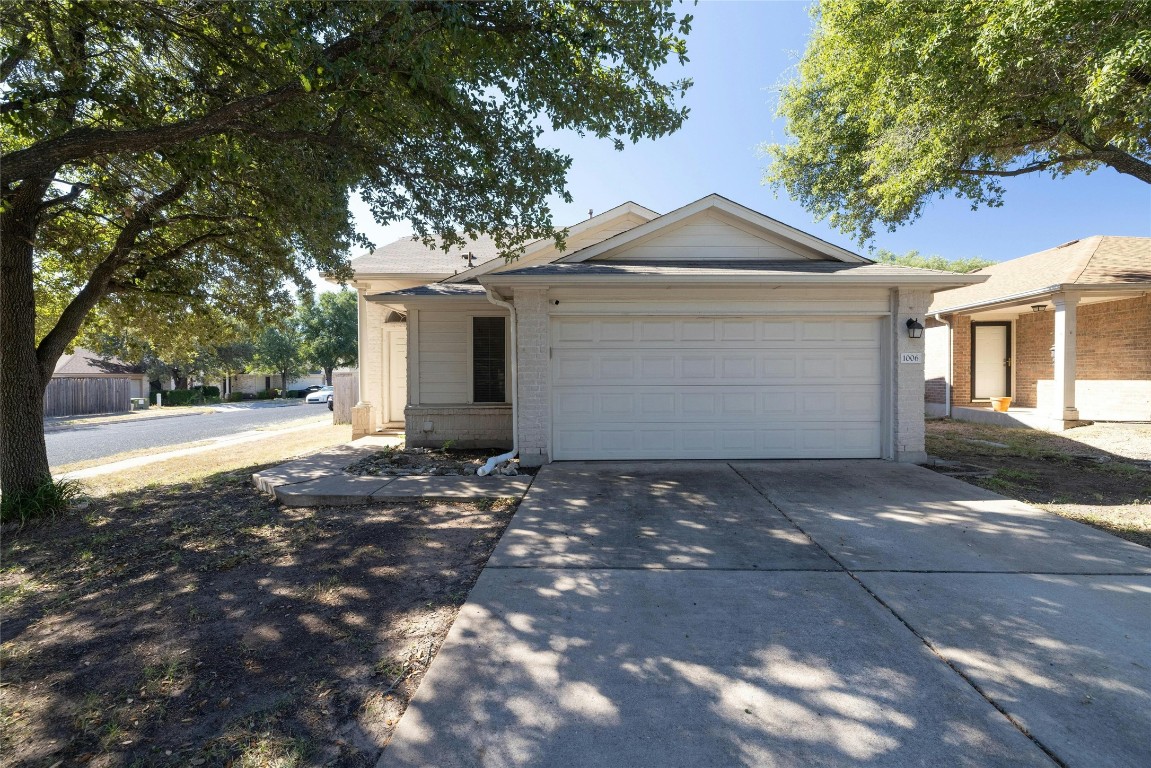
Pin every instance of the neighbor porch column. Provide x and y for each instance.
(1063, 406)
(533, 402)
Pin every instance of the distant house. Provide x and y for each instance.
(85, 382)
(1065, 333)
(251, 383)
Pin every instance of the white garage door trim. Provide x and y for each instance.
(764, 387)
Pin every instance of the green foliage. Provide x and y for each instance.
(328, 329)
(899, 102)
(279, 349)
(180, 397)
(916, 259)
(48, 499)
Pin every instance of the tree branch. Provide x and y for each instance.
(77, 190)
(13, 59)
(86, 142)
(73, 316)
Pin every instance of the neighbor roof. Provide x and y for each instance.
(430, 290)
(1101, 260)
(411, 257)
(84, 362)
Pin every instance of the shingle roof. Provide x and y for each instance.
(1098, 260)
(411, 257)
(718, 268)
(87, 363)
(433, 289)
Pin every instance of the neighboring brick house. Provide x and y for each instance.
(711, 332)
(1065, 333)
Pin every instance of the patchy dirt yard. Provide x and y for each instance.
(1099, 475)
(402, 462)
(202, 625)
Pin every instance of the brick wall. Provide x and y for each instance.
(1034, 334)
(936, 337)
(533, 395)
(1114, 340)
(961, 364)
(469, 426)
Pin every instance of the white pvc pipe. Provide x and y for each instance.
(491, 463)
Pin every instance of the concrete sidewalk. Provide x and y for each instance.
(790, 614)
(320, 479)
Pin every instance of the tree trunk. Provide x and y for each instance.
(1127, 164)
(328, 376)
(23, 454)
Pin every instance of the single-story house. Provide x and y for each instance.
(85, 382)
(711, 332)
(251, 383)
(1065, 333)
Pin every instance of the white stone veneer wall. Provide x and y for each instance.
(533, 387)
(907, 384)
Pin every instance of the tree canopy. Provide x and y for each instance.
(280, 349)
(914, 258)
(328, 328)
(897, 102)
(170, 155)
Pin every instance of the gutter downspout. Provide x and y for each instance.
(491, 463)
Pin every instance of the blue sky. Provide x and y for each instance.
(740, 52)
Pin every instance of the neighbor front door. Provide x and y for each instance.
(990, 360)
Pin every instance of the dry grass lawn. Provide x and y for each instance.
(182, 619)
(1099, 475)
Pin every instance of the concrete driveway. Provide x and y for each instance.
(789, 614)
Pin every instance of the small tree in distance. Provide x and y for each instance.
(914, 258)
(328, 329)
(279, 349)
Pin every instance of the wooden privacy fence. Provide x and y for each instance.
(76, 397)
(345, 394)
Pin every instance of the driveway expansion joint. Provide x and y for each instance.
(927, 644)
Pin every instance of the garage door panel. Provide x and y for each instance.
(706, 405)
(695, 387)
(768, 333)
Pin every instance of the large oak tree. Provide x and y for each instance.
(897, 102)
(170, 155)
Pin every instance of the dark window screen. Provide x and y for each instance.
(488, 360)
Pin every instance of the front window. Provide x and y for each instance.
(488, 364)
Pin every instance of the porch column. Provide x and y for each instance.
(362, 410)
(533, 402)
(1063, 404)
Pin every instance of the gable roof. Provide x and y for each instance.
(1093, 262)
(746, 272)
(84, 362)
(625, 210)
(411, 257)
(806, 245)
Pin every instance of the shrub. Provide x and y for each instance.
(235, 397)
(51, 498)
(266, 394)
(182, 397)
(209, 390)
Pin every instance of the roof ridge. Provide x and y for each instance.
(1086, 260)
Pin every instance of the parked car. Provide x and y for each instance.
(321, 395)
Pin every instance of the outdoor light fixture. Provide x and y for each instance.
(1038, 307)
(914, 329)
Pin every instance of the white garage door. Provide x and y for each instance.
(715, 387)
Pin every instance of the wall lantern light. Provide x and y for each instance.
(914, 329)
(1038, 307)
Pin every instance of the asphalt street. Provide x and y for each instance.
(83, 443)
